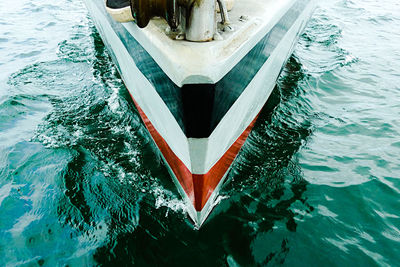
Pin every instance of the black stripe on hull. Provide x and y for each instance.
(198, 108)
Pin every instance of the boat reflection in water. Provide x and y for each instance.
(199, 101)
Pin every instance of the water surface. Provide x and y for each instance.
(317, 182)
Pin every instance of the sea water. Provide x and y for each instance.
(317, 182)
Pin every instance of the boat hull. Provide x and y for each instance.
(200, 128)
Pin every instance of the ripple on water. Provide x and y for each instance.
(81, 183)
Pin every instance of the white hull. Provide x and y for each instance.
(186, 63)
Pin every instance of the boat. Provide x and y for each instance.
(200, 87)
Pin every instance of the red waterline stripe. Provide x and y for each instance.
(204, 184)
(198, 187)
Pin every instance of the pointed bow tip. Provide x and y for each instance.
(199, 217)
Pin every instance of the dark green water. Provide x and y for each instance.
(317, 182)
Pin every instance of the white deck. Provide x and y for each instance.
(188, 62)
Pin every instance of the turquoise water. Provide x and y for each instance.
(317, 182)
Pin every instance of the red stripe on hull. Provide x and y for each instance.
(204, 184)
(198, 187)
(182, 173)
